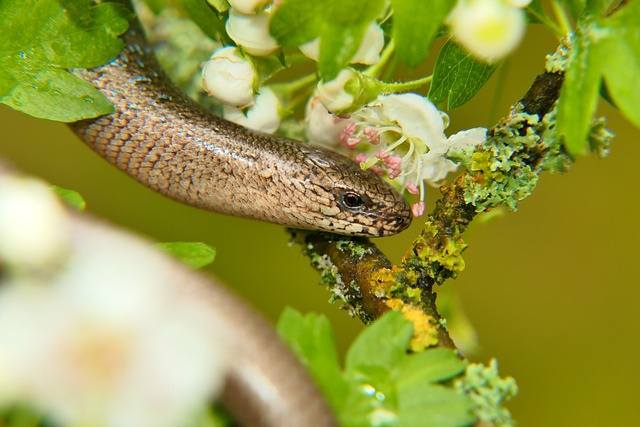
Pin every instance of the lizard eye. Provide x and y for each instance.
(352, 200)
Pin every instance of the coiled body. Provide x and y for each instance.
(171, 144)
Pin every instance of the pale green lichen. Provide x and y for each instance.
(489, 392)
(353, 249)
(557, 62)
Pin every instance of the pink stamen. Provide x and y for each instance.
(393, 162)
(417, 209)
(372, 135)
(383, 154)
(411, 188)
(360, 158)
(351, 142)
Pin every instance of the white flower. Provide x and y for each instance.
(403, 135)
(229, 77)
(252, 32)
(490, 29)
(368, 52)
(334, 94)
(264, 115)
(116, 339)
(322, 127)
(33, 223)
(248, 6)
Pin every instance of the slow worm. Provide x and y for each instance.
(174, 146)
(171, 144)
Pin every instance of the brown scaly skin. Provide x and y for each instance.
(169, 143)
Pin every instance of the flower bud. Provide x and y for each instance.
(338, 95)
(263, 115)
(229, 77)
(248, 6)
(490, 29)
(252, 32)
(323, 127)
(368, 52)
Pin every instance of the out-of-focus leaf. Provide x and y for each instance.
(70, 197)
(194, 254)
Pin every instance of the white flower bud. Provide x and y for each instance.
(34, 227)
(248, 6)
(333, 94)
(252, 32)
(490, 29)
(229, 77)
(263, 115)
(322, 127)
(368, 52)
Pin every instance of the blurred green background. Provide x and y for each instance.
(552, 290)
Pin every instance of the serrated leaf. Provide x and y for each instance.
(207, 19)
(434, 405)
(194, 254)
(383, 343)
(40, 38)
(579, 94)
(54, 94)
(296, 22)
(70, 197)
(311, 339)
(458, 76)
(340, 24)
(415, 23)
(430, 366)
(621, 60)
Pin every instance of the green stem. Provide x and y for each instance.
(561, 16)
(385, 56)
(404, 86)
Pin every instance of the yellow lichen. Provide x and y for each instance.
(425, 333)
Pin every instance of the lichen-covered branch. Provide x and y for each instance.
(501, 172)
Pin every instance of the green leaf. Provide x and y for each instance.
(194, 254)
(340, 24)
(54, 94)
(70, 197)
(211, 23)
(434, 405)
(311, 339)
(435, 365)
(156, 6)
(383, 343)
(297, 22)
(415, 23)
(579, 94)
(219, 5)
(458, 76)
(621, 60)
(40, 39)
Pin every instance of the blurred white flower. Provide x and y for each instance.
(252, 32)
(403, 136)
(33, 224)
(335, 94)
(229, 77)
(248, 6)
(490, 29)
(518, 3)
(263, 115)
(113, 340)
(322, 127)
(368, 52)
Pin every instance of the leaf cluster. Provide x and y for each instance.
(381, 384)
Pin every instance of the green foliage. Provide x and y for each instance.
(415, 23)
(195, 254)
(458, 76)
(42, 38)
(70, 197)
(210, 22)
(603, 47)
(380, 385)
(340, 24)
(156, 6)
